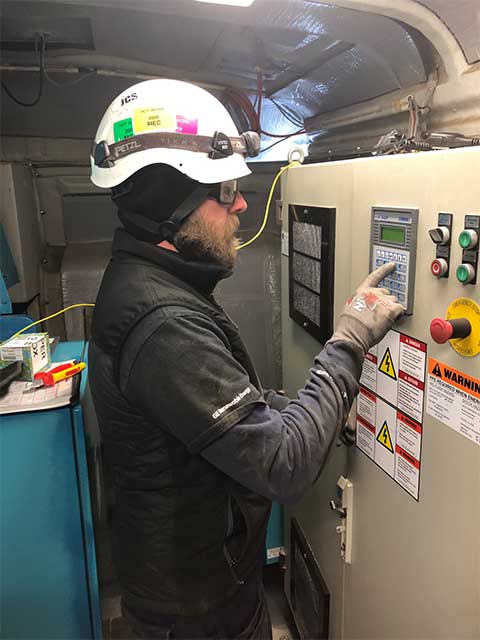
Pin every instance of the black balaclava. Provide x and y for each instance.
(149, 197)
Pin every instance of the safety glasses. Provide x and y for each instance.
(224, 192)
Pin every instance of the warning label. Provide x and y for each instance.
(369, 371)
(384, 437)
(395, 371)
(390, 408)
(453, 397)
(386, 366)
(391, 439)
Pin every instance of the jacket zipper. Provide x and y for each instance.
(230, 560)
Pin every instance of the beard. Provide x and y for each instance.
(204, 242)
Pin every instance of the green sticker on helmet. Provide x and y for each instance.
(123, 129)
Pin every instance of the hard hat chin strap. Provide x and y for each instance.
(188, 206)
(150, 230)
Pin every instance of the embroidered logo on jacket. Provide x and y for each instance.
(235, 401)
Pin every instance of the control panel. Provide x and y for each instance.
(394, 239)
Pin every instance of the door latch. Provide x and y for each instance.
(345, 512)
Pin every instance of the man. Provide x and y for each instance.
(198, 449)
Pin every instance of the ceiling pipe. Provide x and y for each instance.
(92, 70)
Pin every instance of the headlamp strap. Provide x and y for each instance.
(220, 146)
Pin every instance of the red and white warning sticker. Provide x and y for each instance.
(390, 439)
(395, 371)
(453, 397)
(366, 411)
(390, 408)
(369, 371)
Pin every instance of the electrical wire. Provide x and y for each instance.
(259, 96)
(284, 135)
(242, 101)
(259, 110)
(44, 75)
(81, 77)
(267, 208)
(54, 315)
(85, 329)
(89, 304)
(287, 113)
(42, 71)
(290, 135)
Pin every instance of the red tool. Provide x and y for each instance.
(61, 372)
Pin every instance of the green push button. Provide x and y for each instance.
(464, 240)
(465, 273)
(468, 239)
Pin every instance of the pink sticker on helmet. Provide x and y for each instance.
(186, 125)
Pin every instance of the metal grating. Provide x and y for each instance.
(311, 263)
(309, 594)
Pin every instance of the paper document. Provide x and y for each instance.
(20, 397)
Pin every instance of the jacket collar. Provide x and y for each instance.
(203, 276)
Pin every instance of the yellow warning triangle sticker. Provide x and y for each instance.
(386, 365)
(384, 437)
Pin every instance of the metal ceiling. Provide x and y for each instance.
(314, 57)
(462, 17)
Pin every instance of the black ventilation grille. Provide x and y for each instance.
(311, 268)
(309, 594)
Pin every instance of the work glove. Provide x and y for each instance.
(370, 313)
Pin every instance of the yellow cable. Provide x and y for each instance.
(54, 315)
(267, 208)
(245, 244)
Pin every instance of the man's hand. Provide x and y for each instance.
(370, 313)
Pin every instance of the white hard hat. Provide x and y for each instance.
(174, 123)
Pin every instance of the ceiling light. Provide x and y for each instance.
(233, 3)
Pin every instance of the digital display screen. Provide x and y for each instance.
(393, 234)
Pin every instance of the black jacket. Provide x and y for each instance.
(197, 449)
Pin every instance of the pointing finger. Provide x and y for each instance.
(379, 274)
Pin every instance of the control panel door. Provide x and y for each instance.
(415, 558)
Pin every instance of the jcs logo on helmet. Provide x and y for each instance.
(127, 99)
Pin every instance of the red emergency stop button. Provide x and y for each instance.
(444, 330)
(439, 267)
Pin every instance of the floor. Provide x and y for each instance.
(283, 627)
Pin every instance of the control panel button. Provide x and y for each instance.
(465, 273)
(440, 235)
(439, 267)
(468, 239)
(444, 330)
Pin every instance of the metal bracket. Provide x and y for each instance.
(345, 511)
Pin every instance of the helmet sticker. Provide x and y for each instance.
(187, 125)
(122, 129)
(153, 119)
